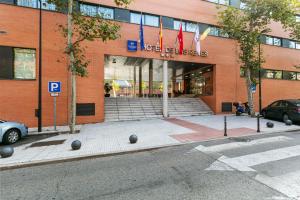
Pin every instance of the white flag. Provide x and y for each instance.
(197, 41)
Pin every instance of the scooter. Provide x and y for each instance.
(241, 108)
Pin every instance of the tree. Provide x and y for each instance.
(81, 28)
(247, 26)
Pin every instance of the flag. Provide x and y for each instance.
(160, 36)
(180, 39)
(197, 41)
(204, 34)
(142, 43)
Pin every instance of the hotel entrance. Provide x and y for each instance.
(132, 77)
(142, 88)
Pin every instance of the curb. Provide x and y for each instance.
(51, 133)
(83, 157)
(99, 155)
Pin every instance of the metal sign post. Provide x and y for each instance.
(54, 89)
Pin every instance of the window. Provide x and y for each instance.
(88, 10)
(224, 2)
(106, 13)
(17, 63)
(177, 25)
(151, 20)
(297, 45)
(289, 75)
(277, 41)
(214, 31)
(242, 72)
(273, 74)
(298, 76)
(36, 4)
(297, 18)
(191, 27)
(269, 40)
(275, 104)
(28, 3)
(24, 63)
(292, 44)
(135, 18)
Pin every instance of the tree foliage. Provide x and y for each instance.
(86, 28)
(248, 25)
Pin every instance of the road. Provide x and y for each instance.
(260, 167)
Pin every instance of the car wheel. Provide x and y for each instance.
(11, 136)
(285, 117)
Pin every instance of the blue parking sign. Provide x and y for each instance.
(54, 86)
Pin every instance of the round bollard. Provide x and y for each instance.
(76, 144)
(6, 151)
(270, 125)
(133, 139)
(288, 122)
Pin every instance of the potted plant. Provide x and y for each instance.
(107, 89)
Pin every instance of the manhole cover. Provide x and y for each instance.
(241, 139)
(47, 143)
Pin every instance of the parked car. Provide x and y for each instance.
(11, 132)
(283, 110)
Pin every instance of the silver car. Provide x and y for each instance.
(11, 132)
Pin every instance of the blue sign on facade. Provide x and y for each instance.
(54, 86)
(132, 45)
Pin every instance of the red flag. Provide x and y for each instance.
(180, 39)
(160, 36)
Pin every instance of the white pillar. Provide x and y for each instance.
(165, 89)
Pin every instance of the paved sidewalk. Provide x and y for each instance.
(112, 137)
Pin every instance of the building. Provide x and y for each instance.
(215, 76)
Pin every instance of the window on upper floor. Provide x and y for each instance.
(223, 2)
(269, 40)
(287, 75)
(277, 41)
(106, 13)
(191, 27)
(177, 25)
(214, 31)
(150, 20)
(36, 4)
(89, 10)
(297, 45)
(292, 44)
(243, 5)
(297, 18)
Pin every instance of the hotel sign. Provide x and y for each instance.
(170, 52)
(167, 52)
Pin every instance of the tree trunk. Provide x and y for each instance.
(249, 92)
(71, 68)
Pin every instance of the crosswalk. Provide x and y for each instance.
(274, 160)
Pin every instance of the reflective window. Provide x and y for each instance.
(269, 40)
(289, 75)
(214, 31)
(89, 10)
(292, 44)
(243, 5)
(106, 13)
(177, 25)
(191, 27)
(151, 20)
(298, 76)
(224, 2)
(24, 63)
(135, 18)
(28, 3)
(297, 45)
(297, 18)
(277, 41)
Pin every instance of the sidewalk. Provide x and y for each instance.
(112, 137)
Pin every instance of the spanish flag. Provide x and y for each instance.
(160, 36)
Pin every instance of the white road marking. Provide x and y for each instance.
(234, 145)
(288, 184)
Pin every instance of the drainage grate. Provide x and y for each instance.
(241, 139)
(47, 143)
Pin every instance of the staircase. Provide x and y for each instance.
(119, 109)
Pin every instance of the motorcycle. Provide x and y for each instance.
(241, 108)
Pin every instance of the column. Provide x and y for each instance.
(140, 82)
(165, 89)
(150, 78)
(134, 81)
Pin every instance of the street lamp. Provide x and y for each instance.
(40, 71)
(259, 76)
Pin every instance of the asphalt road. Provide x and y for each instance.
(181, 172)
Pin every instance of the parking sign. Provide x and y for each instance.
(54, 86)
